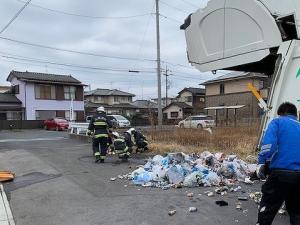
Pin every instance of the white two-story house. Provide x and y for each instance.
(46, 96)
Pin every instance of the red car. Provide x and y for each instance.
(56, 124)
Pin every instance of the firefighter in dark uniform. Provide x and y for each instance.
(140, 140)
(99, 127)
(120, 147)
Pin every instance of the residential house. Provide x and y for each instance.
(114, 101)
(165, 101)
(146, 113)
(228, 98)
(190, 101)
(10, 107)
(145, 106)
(46, 95)
(177, 111)
(194, 97)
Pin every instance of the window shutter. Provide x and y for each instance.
(59, 92)
(79, 93)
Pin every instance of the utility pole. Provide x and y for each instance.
(158, 67)
(167, 74)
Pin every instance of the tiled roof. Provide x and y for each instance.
(42, 77)
(234, 76)
(108, 92)
(194, 91)
(144, 104)
(9, 98)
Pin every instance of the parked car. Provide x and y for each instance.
(121, 121)
(200, 121)
(56, 124)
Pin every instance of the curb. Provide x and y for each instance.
(6, 217)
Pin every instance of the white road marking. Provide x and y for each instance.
(6, 217)
(32, 139)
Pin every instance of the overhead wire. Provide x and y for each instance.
(85, 16)
(174, 7)
(15, 16)
(70, 65)
(190, 4)
(73, 51)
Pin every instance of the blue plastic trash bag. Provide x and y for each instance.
(142, 178)
(193, 180)
(157, 160)
(174, 176)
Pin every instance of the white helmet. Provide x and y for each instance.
(116, 134)
(130, 131)
(100, 109)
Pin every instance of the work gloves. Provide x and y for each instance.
(263, 170)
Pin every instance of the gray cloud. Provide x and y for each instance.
(119, 37)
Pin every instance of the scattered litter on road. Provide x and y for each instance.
(113, 178)
(125, 185)
(120, 177)
(210, 194)
(172, 212)
(243, 198)
(256, 197)
(190, 195)
(222, 203)
(206, 169)
(192, 209)
(239, 206)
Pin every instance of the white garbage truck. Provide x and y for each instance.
(250, 35)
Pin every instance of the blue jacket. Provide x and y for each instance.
(281, 144)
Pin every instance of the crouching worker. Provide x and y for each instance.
(140, 141)
(281, 148)
(120, 147)
(99, 127)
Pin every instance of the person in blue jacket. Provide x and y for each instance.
(280, 156)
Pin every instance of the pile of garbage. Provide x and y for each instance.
(179, 169)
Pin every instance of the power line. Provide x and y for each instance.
(145, 31)
(73, 51)
(88, 53)
(70, 65)
(189, 3)
(15, 16)
(85, 16)
(170, 18)
(175, 8)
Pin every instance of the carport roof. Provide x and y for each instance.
(225, 107)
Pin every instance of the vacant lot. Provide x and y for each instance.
(230, 140)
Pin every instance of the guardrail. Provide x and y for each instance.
(78, 128)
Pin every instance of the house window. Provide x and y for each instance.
(44, 91)
(222, 89)
(15, 89)
(69, 92)
(99, 98)
(202, 99)
(174, 114)
(116, 98)
(189, 98)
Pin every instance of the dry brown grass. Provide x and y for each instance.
(230, 140)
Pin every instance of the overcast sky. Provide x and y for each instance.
(111, 36)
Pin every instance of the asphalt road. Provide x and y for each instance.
(58, 184)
